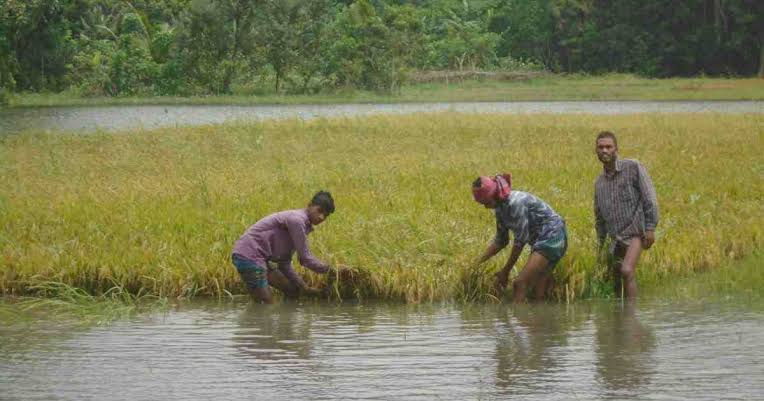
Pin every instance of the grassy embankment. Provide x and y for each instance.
(739, 280)
(544, 87)
(157, 212)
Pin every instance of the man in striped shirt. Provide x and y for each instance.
(626, 210)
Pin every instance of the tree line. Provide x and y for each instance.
(191, 47)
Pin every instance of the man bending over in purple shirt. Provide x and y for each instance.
(275, 238)
(625, 209)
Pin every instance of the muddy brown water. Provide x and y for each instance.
(597, 350)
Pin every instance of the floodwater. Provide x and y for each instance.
(320, 351)
(113, 118)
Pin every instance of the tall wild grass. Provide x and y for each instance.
(157, 212)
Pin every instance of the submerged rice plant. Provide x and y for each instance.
(59, 300)
(157, 212)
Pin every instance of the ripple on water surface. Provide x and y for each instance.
(115, 118)
(320, 351)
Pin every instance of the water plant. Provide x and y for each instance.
(57, 298)
(156, 212)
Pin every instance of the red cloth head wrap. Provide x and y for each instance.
(496, 188)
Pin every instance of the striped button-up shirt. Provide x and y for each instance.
(625, 203)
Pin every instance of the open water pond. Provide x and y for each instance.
(319, 351)
(113, 118)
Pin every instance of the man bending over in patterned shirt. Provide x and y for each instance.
(532, 222)
(626, 210)
(274, 239)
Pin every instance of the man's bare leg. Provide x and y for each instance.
(259, 294)
(629, 267)
(543, 285)
(614, 268)
(534, 267)
(280, 282)
(262, 294)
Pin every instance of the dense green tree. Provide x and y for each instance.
(126, 47)
(526, 29)
(114, 56)
(38, 35)
(291, 35)
(372, 47)
(458, 35)
(216, 42)
(8, 63)
(407, 41)
(313, 30)
(360, 49)
(666, 38)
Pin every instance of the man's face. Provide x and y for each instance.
(606, 150)
(316, 215)
(490, 205)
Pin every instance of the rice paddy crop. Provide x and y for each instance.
(157, 212)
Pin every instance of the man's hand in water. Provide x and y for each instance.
(312, 291)
(502, 277)
(338, 271)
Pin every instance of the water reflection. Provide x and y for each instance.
(624, 347)
(267, 335)
(528, 345)
(24, 328)
(531, 346)
(322, 351)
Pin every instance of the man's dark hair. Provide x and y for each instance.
(607, 134)
(324, 200)
(477, 183)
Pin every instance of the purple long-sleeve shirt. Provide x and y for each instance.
(276, 238)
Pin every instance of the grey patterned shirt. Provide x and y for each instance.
(527, 216)
(625, 203)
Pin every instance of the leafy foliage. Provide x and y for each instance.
(3, 96)
(184, 47)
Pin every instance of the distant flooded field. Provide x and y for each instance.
(115, 118)
(240, 351)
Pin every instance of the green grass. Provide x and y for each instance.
(739, 280)
(157, 212)
(548, 87)
(606, 87)
(59, 301)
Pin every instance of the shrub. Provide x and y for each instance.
(4, 97)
